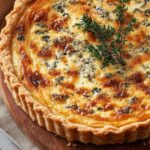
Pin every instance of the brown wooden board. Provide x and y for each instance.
(5, 7)
(44, 139)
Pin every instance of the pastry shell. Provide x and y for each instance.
(42, 115)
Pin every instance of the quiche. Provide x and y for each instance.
(81, 68)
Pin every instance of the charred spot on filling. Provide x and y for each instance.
(121, 93)
(137, 77)
(139, 59)
(108, 106)
(21, 29)
(91, 104)
(54, 73)
(68, 86)
(69, 49)
(33, 46)
(126, 55)
(45, 53)
(57, 24)
(102, 97)
(73, 73)
(25, 59)
(91, 37)
(82, 91)
(41, 15)
(73, 107)
(144, 88)
(82, 2)
(60, 97)
(36, 79)
(63, 42)
(139, 38)
(118, 85)
(115, 83)
(128, 18)
(112, 1)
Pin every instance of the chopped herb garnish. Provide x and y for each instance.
(41, 25)
(133, 100)
(120, 12)
(130, 25)
(109, 54)
(148, 74)
(100, 109)
(59, 80)
(108, 75)
(112, 41)
(59, 7)
(124, 1)
(74, 107)
(96, 90)
(102, 33)
(40, 32)
(46, 38)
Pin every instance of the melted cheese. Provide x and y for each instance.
(51, 60)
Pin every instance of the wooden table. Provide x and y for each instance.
(5, 7)
(44, 139)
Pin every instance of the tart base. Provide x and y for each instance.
(54, 123)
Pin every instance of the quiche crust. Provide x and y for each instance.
(43, 116)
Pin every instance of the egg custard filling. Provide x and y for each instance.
(87, 61)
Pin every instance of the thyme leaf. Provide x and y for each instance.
(129, 28)
(124, 1)
(109, 54)
(101, 32)
(120, 10)
(110, 51)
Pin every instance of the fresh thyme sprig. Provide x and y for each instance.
(129, 27)
(112, 41)
(124, 1)
(109, 54)
(121, 10)
(102, 33)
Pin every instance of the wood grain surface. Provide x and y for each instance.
(44, 139)
(5, 7)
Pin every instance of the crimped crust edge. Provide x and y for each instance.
(43, 116)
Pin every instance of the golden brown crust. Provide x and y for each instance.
(41, 114)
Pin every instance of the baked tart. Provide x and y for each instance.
(81, 68)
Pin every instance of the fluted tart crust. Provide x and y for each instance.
(79, 69)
